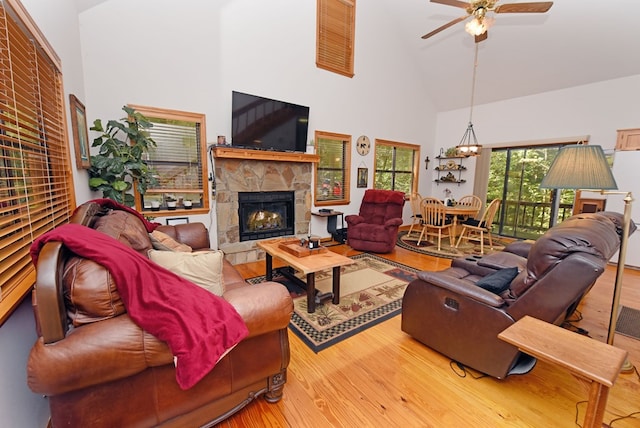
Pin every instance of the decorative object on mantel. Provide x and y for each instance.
(466, 146)
(585, 167)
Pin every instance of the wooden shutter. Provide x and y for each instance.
(36, 190)
(335, 35)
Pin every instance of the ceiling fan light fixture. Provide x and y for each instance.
(475, 27)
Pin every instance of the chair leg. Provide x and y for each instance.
(464, 229)
(490, 240)
(439, 238)
(420, 237)
(481, 242)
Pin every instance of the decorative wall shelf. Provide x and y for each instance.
(449, 170)
(247, 154)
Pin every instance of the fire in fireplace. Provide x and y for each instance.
(266, 214)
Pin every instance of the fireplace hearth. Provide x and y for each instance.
(266, 214)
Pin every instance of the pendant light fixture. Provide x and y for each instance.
(468, 145)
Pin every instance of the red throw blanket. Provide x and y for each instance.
(198, 326)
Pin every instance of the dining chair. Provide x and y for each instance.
(475, 230)
(471, 201)
(435, 222)
(416, 215)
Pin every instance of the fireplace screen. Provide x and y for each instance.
(265, 214)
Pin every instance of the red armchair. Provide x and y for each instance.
(375, 229)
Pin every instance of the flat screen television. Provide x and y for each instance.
(265, 124)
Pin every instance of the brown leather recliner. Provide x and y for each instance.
(375, 228)
(99, 369)
(449, 312)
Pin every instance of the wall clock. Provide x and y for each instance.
(363, 145)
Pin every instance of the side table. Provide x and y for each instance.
(332, 219)
(584, 357)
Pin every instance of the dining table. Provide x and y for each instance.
(459, 210)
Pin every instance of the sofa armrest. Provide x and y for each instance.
(393, 222)
(264, 307)
(462, 287)
(92, 354)
(354, 219)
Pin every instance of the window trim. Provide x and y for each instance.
(163, 113)
(346, 183)
(416, 160)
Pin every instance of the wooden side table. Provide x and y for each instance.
(332, 217)
(595, 361)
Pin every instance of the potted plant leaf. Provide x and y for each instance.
(119, 163)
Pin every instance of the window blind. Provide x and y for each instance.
(335, 35)
(36, 190)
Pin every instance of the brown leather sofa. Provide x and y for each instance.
(99, 369)
(449, 312)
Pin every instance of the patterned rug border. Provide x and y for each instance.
(447, 252)
(348, 328)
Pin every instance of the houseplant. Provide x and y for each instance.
(120, 161)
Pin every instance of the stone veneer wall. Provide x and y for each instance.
(245, 175)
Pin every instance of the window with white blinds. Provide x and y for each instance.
(332, 171)
(335, 33)
(36, 185)
(397, 166)
(178, 160)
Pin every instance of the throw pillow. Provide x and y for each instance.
(498, 281)
(162, 241)
(203, 268)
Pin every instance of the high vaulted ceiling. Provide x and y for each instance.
(576, 42)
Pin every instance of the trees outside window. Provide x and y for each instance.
(333, 170)
(397, 166)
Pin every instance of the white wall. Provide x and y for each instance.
(192, 61)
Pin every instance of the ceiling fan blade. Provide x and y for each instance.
(454, 3)
(532, 7)
(445, 26)
(482, 37)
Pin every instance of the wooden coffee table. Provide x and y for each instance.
(308, 265)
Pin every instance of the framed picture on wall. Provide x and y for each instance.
(177, 220)
(80, 135)
(363, 177)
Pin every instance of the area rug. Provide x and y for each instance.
(410, 242)
(628, 322)
(371, 291)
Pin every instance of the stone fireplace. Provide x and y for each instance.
(255, 172)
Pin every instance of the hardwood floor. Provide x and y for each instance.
(384, 378)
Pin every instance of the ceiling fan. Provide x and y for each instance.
(478, 10)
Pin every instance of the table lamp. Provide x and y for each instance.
(585, 167)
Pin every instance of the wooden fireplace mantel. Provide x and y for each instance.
(236, 153)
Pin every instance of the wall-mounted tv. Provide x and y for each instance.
(266, 124)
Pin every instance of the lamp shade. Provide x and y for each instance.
(580, 166)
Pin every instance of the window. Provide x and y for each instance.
(36, 190)
(178, 159)
(397, 166)
(335, 35)
(332, 171)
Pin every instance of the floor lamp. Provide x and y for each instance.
(585, 167)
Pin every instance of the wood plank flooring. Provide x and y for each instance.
(384, 378)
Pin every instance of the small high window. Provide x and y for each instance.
(335, 35)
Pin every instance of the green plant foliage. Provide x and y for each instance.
(120, 161)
